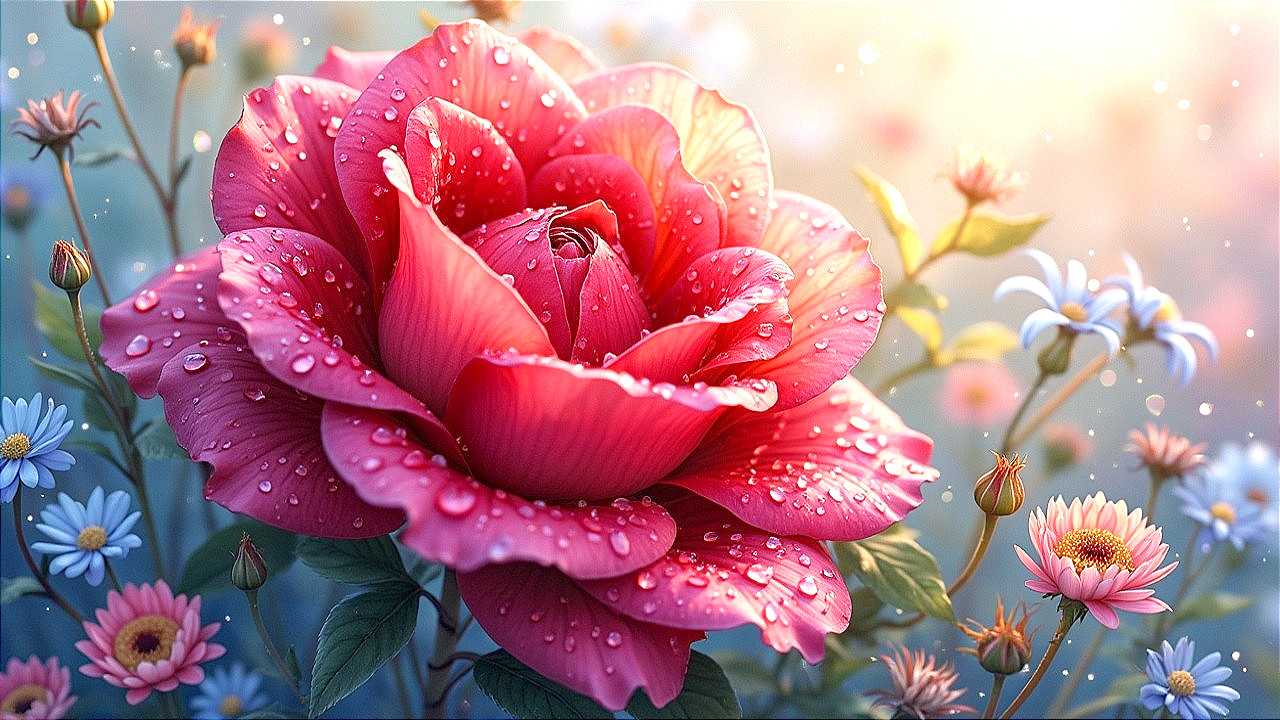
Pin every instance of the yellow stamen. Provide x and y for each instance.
(231, 706)
(15, 446)
(1074, 311)
(19, 700)
(1168, 311)
(1181, 683)
(1094, 548)
(147, 638)
(1224, 512)
(93, 537)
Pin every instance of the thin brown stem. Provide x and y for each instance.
(35, 569)
(438, 681)
(64, 165)
(935, 254)
(90, 359)
(171, 203)
(923, 365)
(1060, 397)
(1068, 619)
(997, 687)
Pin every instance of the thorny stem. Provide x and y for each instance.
(997, 686)
(64, 166)
(35, 570)
(1059, 398)
(290, 680)
(438, 681)
(1068, 619)
(100, 47)
(1068, 689)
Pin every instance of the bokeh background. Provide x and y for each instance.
(1147, 128)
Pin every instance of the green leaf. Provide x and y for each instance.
(362, 632)
(156, 442)
(1210, 606)
(94, 158)
(355, 562)
(17, 587)
(913, 294)
(183, 168)
(98, 412)
(291, 661)
(923, 323)
(893, 209)
(900, 572)
(749, 675)
(53, 320)
(990, 234)
(66, 375)
(525, 693)
(208, 569)
(706, 694)
(422, 571)
(980, 342)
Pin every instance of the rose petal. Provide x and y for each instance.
(263, 439)
(611, 314)
(577, 180)
(460, 165)
(568, 57)
(543, 619)
(835, 299)
(720, 140)
(842, 466)
(173, 309)
(721, 574)
(690, 215)
(459, 522)
(545, 428)
(354, 68)
(309, 319)
(472, 66)
(444, 306)
(275, 167)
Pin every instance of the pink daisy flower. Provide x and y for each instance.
(35, 689)
(979, 394)
(1099, 553)
(146, 639)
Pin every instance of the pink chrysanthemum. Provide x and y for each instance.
(921, 686)
(146, 639)
(1099, 553)
(35, 689)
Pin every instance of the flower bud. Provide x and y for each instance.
(90, 15)
(1055, 358)
(195, 42)
(69, 269)
(1065, 446)
(1004, 648)
(999, 491)
(19, 201)
(249, 570)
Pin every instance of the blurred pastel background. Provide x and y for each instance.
(1147, 128)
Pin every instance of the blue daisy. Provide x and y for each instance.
(1231, 500)
(84, 537)
(228, 694)
(1192, 691)
(1071, 305)
(29, 452)
(1154, 315)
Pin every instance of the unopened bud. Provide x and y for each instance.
(999, 492)
(195, 42)
(1056, 357)
(90, 15)
(1004, 648)
(69, 269)
(249, 570)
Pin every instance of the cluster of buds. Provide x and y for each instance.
(999, 491)
(1005, 647)
(195, 42)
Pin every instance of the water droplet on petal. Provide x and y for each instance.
(808, 586)
(146, 300)
(303, 363)
(759, 574)
(620, 543)
(456, 501)
(613, 639)
(260, 211)
(501, 56)
(254, 393)
(138, 346)
(195, 362)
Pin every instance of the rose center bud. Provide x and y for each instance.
(570, 269)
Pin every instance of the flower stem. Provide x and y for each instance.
(997, 686)
(910, 371)
(285, 673)
(1060, 397)
(64, 165)
(446, 643)
(988, 530)
(100, 47)
(1157, 480)
(170, 704)
(1069, 616)
(402, 689)
(1008, 443)
(77, 315)
(35, 569)
(1068, 689)
(943, 250)
(171, 201)
(111, 573)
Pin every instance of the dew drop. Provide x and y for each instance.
(501, 56)
(808, 586)
(646, 581)
(771, 612)
(264, 486)
(620, 543)
(260, 211)
(146, 300)
(759, 574)
(397, 94)
(613, 639)
(195, 362)
(303, 363)
(140, 345)
(254, 393)
(1155, 404)
(390, 114)
(456, 501)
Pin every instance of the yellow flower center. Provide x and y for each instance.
(1094, 548)
(147, 638)
(1074, 311)
(93, 537)
(19, 700)
(231, 706)
(1181, 683)
(1224, 512)
(1168, 311)
(15, 446)
(976, 396)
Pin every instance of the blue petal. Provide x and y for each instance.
(115, 507)
(1104, 302)
(62, 562)
(96, 571)
(57, 460)
(47, 548)
(1037, 322)
(1107, 333)
(56, 530)
(93, 509)
(1052, 277)
(1196, 331)
(1155, 667)
(1219, 691)
(9, 473)
(1151, 696)
(44, 477)
(124, 526)
(1077, 287)
(1212, 676)
(28, 473)
(1025, 283)
(8, 417)
(1184, 653)
(8, 490)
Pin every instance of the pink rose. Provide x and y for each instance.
(557, 318)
